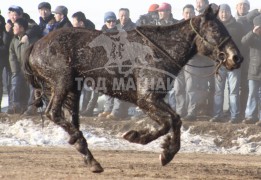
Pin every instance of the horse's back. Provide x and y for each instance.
(61, 44)
(69, 34)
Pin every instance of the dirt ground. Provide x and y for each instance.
(40, 163)
(44, 163)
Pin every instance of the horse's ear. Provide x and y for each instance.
(211, 11)
(215, 8)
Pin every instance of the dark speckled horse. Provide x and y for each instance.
(55, 62)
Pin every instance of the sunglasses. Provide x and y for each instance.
(110, 21)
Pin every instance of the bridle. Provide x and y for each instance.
(222, 58)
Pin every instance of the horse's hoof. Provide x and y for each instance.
(131, 135)
(96, 168)
(165, 158)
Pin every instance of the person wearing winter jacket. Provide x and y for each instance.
(60, 15)
(232, 77)
(253, 40)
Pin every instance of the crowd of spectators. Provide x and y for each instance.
(193, 95)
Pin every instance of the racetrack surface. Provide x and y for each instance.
(44, 163)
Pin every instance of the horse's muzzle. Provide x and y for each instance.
(237, 61)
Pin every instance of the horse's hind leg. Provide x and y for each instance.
(160, 112)
(76, 137)
(80, 143)
(171, 144)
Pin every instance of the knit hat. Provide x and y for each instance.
(164, 7)
(153, 8)
(44, 5)
(16, 9)
(61, 10)
(242, 1)
(109, 16)
(257, 20)
(22, 22)
(224, 7)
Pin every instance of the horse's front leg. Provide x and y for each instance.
(163, 118)
(76, 137)
(160, 112)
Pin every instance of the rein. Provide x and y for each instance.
(158, 48)
(200, 66)
(219, 60)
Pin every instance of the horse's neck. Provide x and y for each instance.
(176, 40)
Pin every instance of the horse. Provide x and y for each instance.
(53, 64)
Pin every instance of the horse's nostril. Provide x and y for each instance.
(237, 59)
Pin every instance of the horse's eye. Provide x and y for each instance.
(215, 31)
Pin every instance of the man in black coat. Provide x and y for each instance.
(4, 63)
(150, 18)
(60, 15)
(79, 20)
(90, 96)
(47, 20)
(124, 22)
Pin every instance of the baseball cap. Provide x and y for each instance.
(164, 7)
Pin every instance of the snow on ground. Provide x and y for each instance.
(26, 133)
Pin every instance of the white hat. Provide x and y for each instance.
(243, 1)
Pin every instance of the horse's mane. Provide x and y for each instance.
(146, 28)
(173, 27)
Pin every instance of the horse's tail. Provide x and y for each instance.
(32, 78)
(28, 72)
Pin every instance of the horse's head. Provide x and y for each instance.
(214, 41)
